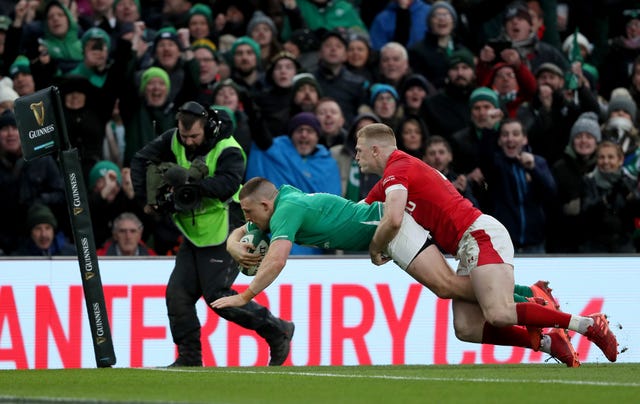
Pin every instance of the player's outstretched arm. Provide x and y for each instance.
(271, 266)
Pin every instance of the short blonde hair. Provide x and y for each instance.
(378, 133)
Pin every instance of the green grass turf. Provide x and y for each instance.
(591, 383)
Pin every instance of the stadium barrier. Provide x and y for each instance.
(347, 312)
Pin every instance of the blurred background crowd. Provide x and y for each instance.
(528, 107)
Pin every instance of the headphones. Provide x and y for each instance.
(212, 121)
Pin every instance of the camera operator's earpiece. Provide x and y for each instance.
(212, 123)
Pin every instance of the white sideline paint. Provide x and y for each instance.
(419, 378)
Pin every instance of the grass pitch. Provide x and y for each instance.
(591, 383)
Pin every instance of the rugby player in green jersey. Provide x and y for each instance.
(329, 221)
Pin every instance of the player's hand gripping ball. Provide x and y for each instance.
(260, 242)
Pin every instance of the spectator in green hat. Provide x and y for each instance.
(96, 44)
(146, 112)
(126, 11)
(200, 22)
(485, 116)
(20, 73)
(110, 194)
(44, 240)
(245, 66)
(172, 52)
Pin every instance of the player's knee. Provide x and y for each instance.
(497, 317)
(463, 331)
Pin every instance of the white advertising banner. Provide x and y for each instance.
(346, 311)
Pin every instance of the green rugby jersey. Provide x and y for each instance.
(323, 220)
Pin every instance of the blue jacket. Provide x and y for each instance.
(518, 195)
(282, 164)
(384, 24)
(60, 246)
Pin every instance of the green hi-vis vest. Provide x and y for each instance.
(208, 225)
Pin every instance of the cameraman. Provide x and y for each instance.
(207, 158)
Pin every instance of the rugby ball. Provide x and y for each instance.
(260, 242)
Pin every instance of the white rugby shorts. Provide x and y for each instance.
(409, 242)
(485, 242)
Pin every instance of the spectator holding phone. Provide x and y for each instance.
(518, 34)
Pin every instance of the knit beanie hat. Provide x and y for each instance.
(305, 78)
(567, 45)
(484, 94)
(226, 83)
(549, 67)
(380, 88)
(245, 40)
(8, 118)
(305, 118)
(167, 33)
(284, 55)
(204, 43)
(261, 18)
(96, 33)
(39, 214)
(447, 6)
(461, 55)
(151, 73)
(203, 10)
(415, 80)
(623, 102)
(586, 122)
(20, 65)
(100, 169)
(7, 94)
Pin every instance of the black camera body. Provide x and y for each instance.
(173, 188)
(183, 198)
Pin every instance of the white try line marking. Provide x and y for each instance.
(419, 378)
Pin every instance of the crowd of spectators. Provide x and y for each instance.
(528, 107)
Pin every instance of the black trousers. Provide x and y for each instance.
(209, 272)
